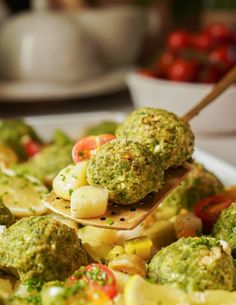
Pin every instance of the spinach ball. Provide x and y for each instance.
(194, 263)
(39, 247)
(126, 169)
(163, 132)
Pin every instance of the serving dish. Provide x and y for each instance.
(180, 97)
(108, 82)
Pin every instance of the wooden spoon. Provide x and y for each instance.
(120, 217)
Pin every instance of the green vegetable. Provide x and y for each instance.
(102, 128)
(192, 264)
(12, 133)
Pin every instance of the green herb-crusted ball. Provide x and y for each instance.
(192, 264)
(165, 134)
(41, 248)
(199, 184)
(127, 169)
(225, 227)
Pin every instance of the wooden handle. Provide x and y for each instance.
(220, 87)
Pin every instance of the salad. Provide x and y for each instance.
(183, 253)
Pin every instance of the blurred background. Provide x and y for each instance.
(82, 56)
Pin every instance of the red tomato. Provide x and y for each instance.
(183, 70)
(210, 208)
(148, 72)
(31, 147)
(98, 276)
(83, 149)
(178, 40)
(164, 63)
(223, 57)
(219, 32)
(209, 74)
(201, 42)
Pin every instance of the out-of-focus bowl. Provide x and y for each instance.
(218, 117)
(118, 31)
(46, 47)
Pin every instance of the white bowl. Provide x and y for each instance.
(46, 47)
(117, 30)
(218, 117)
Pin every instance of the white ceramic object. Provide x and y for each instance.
(117, 30)
(47, 47)
(219, 117)
(23, 91)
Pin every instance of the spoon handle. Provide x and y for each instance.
(220, 87)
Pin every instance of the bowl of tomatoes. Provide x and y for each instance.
(185, 71)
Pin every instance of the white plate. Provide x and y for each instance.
(112, 81)
(75, 124)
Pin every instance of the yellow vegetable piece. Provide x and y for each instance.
(116, 251)
(140, 292)
(7, 156)
(97, 236)
(98, 253)
(161, 233)
(142, 246)
(69, 179)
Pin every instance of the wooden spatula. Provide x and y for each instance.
(120, 217)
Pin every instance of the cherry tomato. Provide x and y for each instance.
(183, 70)
(210, 208)
(201, 41)
(31, 147)
(83, 149)
(209, 74)
(164, 63)
(223, 57)
(99, 277)
(148, 72)
(219, 32)
(178, 40)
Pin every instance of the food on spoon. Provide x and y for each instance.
(194, 263)
(199, 184)
(42, 248)
(85, 147)
(7, 156)
(6, 217)
(22, 194)
(164, 134)
(126, 169)
(12, 134)
(89, 201)
(225, 227)
(69, 179)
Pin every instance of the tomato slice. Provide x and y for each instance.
(210, 208)
(98, 276)
(85, 147)
(31, 147)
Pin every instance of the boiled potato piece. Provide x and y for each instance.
(69, 179)
(97, 236)
(22, 194)
(89, 201)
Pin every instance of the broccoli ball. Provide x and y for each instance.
(127, 169)
(165, 134)
(42, 248)
(192, 264)
(199, 184)
(225, 227)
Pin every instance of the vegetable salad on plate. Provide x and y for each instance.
(182, 254)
